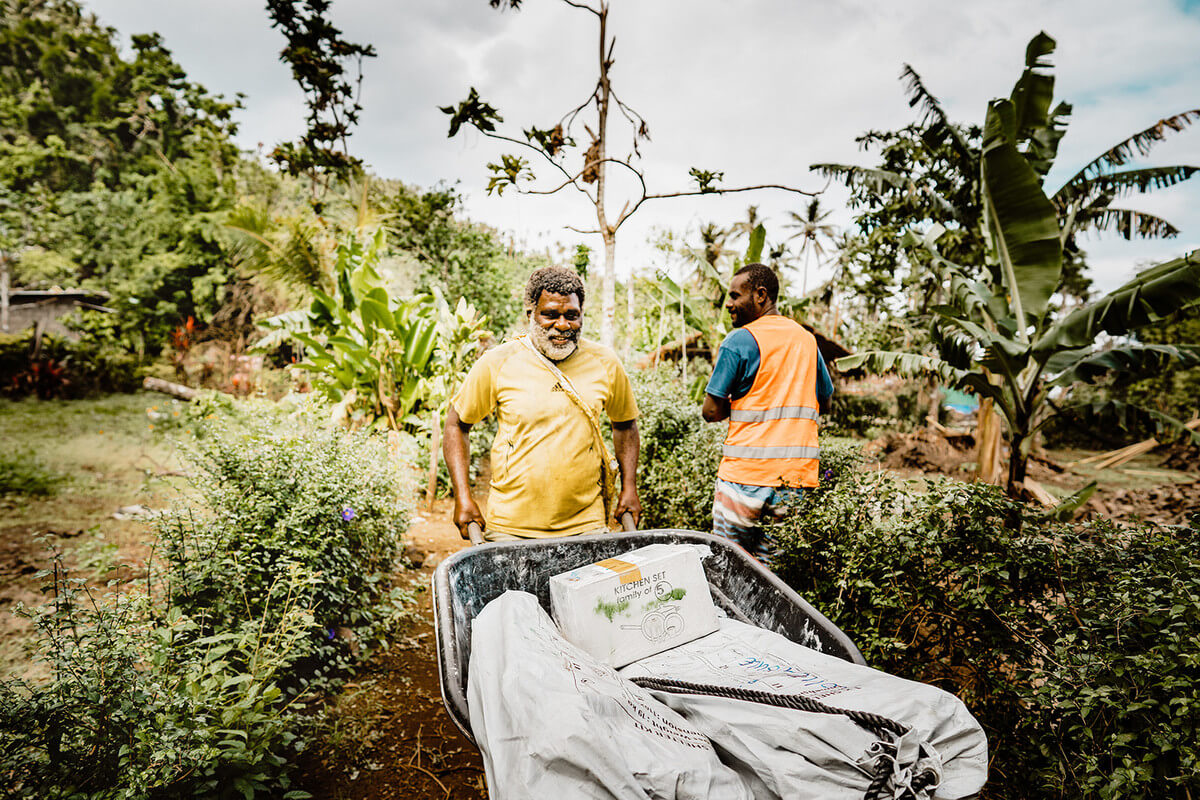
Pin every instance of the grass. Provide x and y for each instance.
(65, 467)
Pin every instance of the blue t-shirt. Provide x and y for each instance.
(737, 365)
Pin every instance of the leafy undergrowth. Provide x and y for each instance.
(265, 588)
(1074, 645)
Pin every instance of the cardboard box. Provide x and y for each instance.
(638, 604)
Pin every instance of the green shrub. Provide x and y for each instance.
(857, 414)
(23, 474)
(1075, 647)
(65, 368)
(680, 453)
(327, 503)
(138, 707)
(260, 588)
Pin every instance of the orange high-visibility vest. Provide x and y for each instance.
(772, 438)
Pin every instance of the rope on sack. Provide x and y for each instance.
(888, 730)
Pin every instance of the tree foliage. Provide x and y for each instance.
(1072, 645)
(316, 53)
(115, 167)
(997, 334)
(578, 151)
(929, 173)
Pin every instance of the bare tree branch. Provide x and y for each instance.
(584, 6)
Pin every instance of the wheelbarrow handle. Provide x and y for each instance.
(475, 533)
(627, 523)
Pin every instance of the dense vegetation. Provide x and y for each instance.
(1073, 644)
(192, 682)
(368, 299)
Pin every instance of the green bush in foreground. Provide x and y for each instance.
(138, 706)
(1075, 646)
(193, 690)
(326, 503)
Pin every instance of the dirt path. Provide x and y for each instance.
(390, 734)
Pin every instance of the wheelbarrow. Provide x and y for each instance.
(742, 587)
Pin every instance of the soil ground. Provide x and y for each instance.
(1160, 486)
(390, 735)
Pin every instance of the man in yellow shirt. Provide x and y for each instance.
(546, 457)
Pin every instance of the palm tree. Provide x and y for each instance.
(811, 229)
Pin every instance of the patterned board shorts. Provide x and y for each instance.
(738, 511)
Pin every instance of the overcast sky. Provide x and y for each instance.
(758, 89)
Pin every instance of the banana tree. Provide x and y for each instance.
(931, 171)
(999, 338)
(461, 332)
(369, 353)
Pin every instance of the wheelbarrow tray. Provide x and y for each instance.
(746, 590)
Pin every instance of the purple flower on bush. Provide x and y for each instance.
(348, 514)
(828, 474)
(330, 634)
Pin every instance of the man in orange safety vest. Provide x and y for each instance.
(771, 383)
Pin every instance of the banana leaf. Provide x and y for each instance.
(971, 298)
(1034, 90)
(419, 346)
(1021, 219)
(374, 311)
(906, 364)
(1152, 295)
(1126, 222)
(758, 237)
(1001, 353)
(1120, 414)
(1083, 189)
(1142, 142)
(911, 365)
(1130, 360)
(1064, 511)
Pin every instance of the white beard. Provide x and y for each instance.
(551, 349)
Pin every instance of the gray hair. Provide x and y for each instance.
(555, 280)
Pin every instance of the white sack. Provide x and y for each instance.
(553, 724)
(785, 753)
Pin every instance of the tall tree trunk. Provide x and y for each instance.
(608, 289)
(1018, 449)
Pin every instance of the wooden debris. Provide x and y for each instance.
(1115, 458)
(1039, 493)
(173, 389)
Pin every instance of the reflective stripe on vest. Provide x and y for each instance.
(783, 412)
(733, 451)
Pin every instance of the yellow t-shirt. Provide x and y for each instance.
(545, 468)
